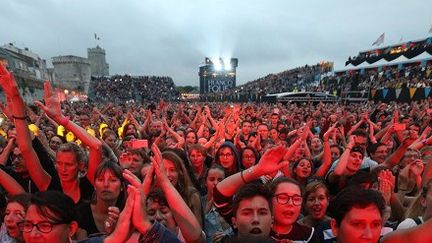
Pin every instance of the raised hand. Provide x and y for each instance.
(329, 132)
(52, 105)
(139, 217)
(123, 227)
(156, 153)
(131, 178)
(8, 83)
(207, 110)
(111, 221)
(148, 180)
(386, 184)
(351, 141)
(405, 181)
(270, 162)
(304, 133)
(416, 169)
(160, 173)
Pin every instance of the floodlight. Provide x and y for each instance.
(227, 64)
(217, 65)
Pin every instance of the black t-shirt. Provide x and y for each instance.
(85, 218)
(47, 163)
(340, 182)
(298, 233)
(86, 190)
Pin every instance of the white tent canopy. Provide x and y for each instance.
(382, 62)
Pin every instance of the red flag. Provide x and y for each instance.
(380, 40)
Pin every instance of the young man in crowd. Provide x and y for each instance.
(357, 215)
(252, 211)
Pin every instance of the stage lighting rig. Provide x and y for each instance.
(217, 74)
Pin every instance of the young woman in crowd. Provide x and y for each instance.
(302, 170)
(70, 158)
(166, 205)
(228, 157)
(315, 203)
(286, 204)
(179, 177)
(191, 138)
(198, 156)
(100, 215)
(316, 147)
(215, 226)
(15, 213)
(51, 217)
(249, 157)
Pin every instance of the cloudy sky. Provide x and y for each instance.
(172, 37)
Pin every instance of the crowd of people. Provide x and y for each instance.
(410, 76)
(125, 88)
(317, 79)
(213, 172)
(301, 78)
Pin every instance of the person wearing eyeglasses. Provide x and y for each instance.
(286, 206)
(286, 197)
(228, 157)
(51, 217)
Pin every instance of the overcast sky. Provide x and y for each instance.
(172, 37)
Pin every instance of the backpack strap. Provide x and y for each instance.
(417, 220)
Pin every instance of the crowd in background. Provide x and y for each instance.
(317, 79)
(297, 79)
(122, 88)
(410, 76)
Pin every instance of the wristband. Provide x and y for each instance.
(20, 117)
(242, 177)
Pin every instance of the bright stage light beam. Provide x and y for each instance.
(227, 64)
(217, 65)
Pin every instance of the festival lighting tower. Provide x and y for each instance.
(217, 75)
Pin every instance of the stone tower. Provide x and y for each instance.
(72, 72)
(98, 64)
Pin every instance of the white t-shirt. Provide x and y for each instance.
(408, 223)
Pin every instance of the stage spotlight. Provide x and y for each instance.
(217, 74)
(217, 65)
(227, 63)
